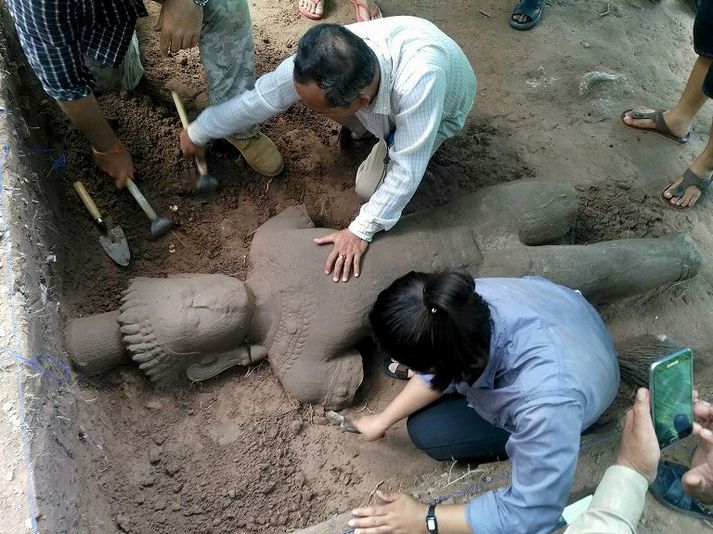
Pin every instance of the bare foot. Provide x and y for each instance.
(677, 126)
(698, 481)
(313, 7)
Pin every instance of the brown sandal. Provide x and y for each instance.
(661, 129)
(688, 179)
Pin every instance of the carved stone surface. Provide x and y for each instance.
(310, 325)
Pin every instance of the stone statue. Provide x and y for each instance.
(309, 325)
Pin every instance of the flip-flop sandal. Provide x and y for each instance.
(396, 370)
(661, 129)
(529, 8)
(311, 15)
(363, 4)
(668, 490)
(688, 179)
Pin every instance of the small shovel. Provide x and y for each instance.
(113, 240)
(206, 182)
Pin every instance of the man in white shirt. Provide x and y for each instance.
(400, 78)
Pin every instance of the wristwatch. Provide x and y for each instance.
(431, 523)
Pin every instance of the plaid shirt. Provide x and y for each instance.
(57, 35)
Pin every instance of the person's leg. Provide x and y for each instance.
(125, 76)
(227, 50)
(228, 55)
(702, 167)
(680, 117)
(450, 429)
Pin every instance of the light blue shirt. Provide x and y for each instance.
(552, 372)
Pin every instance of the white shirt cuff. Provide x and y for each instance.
(622, 491)
(364, 229)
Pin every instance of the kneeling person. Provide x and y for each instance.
(400, 78)
(505, 367)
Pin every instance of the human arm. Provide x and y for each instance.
(619, 500)
(109, 154)
(274, 92)
(416, 126)
(180, 25)
(402, 514)
(416, 395)
(51, 40)
(543, 450)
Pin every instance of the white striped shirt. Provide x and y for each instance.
(426, 91)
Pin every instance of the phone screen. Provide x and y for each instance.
(672, 397)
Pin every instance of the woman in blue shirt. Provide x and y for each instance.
(505, 367)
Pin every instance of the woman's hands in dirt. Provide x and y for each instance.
(371, 427)
(400, 514)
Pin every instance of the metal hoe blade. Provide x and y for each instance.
(116, 246)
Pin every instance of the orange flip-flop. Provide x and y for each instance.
(311, 15)
(363, 4)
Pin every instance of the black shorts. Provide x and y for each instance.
(703, 40)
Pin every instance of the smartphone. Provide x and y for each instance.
(671, 387)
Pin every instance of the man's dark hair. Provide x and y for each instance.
(337, 60)
(434, 323)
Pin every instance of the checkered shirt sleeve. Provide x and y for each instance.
(56, 35)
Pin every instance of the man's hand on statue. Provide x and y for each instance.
(117, 163)
(400, 514)
(188, 147)
(345, 256)
(180, 25)
(698, 481)
(639, 448)
(371, 427)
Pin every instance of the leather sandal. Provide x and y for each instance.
(688, 179)
(661, 129)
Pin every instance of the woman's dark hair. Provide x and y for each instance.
(337, 60)
(434, 323)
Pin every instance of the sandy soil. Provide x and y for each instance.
(234, 454)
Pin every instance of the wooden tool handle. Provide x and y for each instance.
(181, 110)
(199, 158)
(148, 210)
(87, 201)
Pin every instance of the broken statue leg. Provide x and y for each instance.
(534, 213)
(606, 271)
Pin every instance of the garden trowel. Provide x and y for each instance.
(113, 240)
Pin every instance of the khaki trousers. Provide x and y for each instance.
(373, 169)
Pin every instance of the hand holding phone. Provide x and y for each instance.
(671, 386)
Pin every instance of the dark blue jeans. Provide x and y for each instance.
(450, 429)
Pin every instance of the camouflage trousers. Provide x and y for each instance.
(227, 52)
